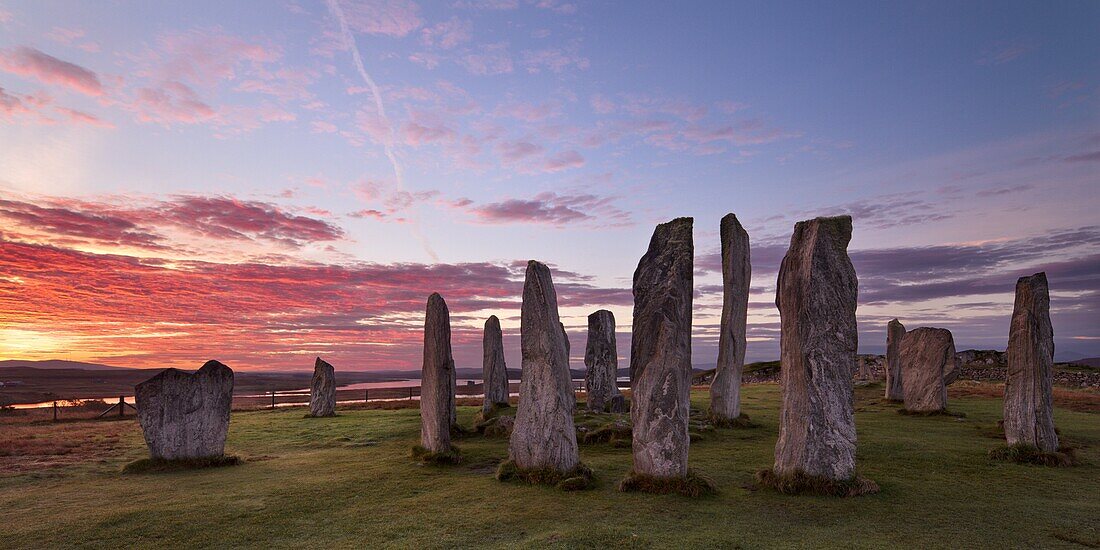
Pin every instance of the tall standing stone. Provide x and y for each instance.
(1028, 403)
(895, 331)
(322, 390)
(544, 436)
(601, 357)
(186, 416)
(660, 352)
(437, 378)
(926, 354)
(725, 390)
(494, 373)
(816, 296)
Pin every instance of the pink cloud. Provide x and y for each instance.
(513, 151)
(554, 60)
(487, 4)
(29, 62)
(171, 102)
(322, 127)
(548, 208)
(557, 6)
(205, 56)
(530, 112)
(417, 134)
(493, 59)
(84, 118)
(564, 161)
(385, 17)
(601, 104)
(448, 34)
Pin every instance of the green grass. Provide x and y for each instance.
(349, 481)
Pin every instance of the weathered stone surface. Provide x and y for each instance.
(864, 368)
(186, 416)
(494, 372)
(660, 352)
(895, 331)
(601, 358)
(926, 354)
(437, 378)
(816, 296)
(544, 436)
(322, 390)
(725, 390)
(617, 404)
(1028, 411)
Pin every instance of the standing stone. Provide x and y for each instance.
(494, 373)
(926, 354)
(816, 296)
(1028, 404)
(544, 436)
(895, 332)
(725, 390)
(186, 416)
(864, 367)
(660, 352)
(322, 390)
(437, 381)
(601, 358)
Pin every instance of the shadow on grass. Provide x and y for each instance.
(942, 412)
(577, 479)
(161, 465)
(801, 483)
(1023, 453)
(741, 422)
(693, 485)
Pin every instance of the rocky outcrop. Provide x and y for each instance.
(322, 390)
(660, 352)
(926, 355)
(601, 360)
(494, 372)
(437, 379)
(816, 296)
(543, 437)
(895, 331)
(186, 416)
(725, 390)
(1028, 403)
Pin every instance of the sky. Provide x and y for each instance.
(266, 182)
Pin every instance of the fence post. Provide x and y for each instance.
(55, 411)
(410, 393)
(272, 399)
(366, 396)
(121, 406)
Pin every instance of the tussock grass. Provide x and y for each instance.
(160, 465)
(579, 478)
(801, 483)
(741, 422)
(693, 485)
(943, 412)
(444, 458)
(612, 432)
(1023, 453)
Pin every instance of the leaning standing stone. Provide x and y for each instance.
(601, 360)
(494, 373)
(544, 437)
(725, 390)
(437, 380)
(926, 354)
(186, 416)
(816, 296)
(1028, 403)
(322, 390)
(895, 331)
(660, 353)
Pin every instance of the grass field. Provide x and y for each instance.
(349, 482)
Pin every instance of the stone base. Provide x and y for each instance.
(161, 465)
(579, 478)
(941, 412)
(445, 458)
(1022, 453)
(693, 485)
(616, 432)
(801, 483)
(742, 421)
(333, 415)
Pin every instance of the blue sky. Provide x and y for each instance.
(964, 138)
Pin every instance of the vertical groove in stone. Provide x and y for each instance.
(895, 331)
(725, 389)
(437, 378)
(494, 372)
(1028, 403)
(601, 360)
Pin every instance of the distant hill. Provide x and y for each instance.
(1093, 362)
(54, 364)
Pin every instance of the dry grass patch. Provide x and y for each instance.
(1023, 453)
(579, 478)
(443, 458)
(801, 483)
(693, 485)
(161, 466)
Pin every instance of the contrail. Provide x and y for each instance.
(388, 145)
